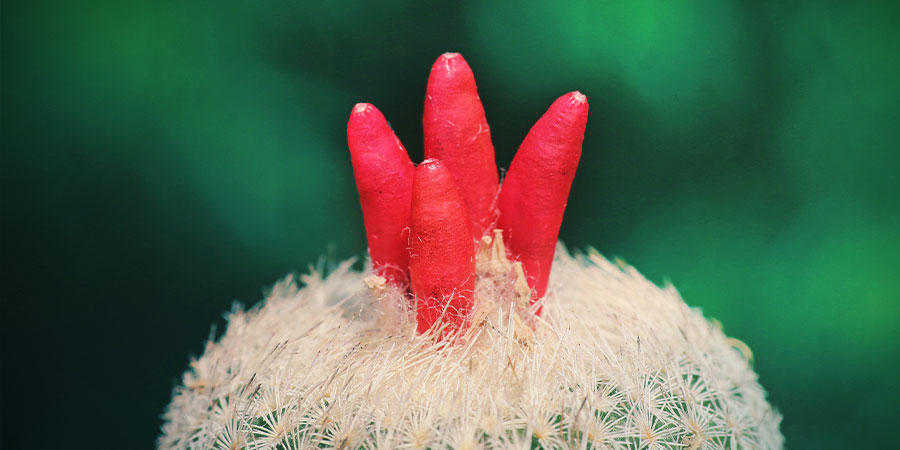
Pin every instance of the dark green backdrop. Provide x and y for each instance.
(162, 160)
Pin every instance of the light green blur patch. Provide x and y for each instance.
(678, 57)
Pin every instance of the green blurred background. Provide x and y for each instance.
(161, 160)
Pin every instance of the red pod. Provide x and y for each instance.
(457, 133)
(384, 177)
(442, 254)
(536, 188)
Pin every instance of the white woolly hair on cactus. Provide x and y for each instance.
(466, 340)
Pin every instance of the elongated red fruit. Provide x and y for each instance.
(442, 254)
(457, 133)
(384, 177)
(536, 188)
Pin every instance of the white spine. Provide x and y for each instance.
(613, 362)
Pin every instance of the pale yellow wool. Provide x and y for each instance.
(612, 362)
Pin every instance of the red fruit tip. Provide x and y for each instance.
(362, 108)
(430, 164)
(451, 65)
(577, 97)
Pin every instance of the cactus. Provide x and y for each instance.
(593, 357)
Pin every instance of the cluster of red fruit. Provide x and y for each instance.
(423, 222)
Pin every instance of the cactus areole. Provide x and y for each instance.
(472, 327)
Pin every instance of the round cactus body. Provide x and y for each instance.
(613, 362)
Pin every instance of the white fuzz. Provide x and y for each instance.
(612, 362)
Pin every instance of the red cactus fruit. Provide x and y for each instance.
(457, 133)
(534, 193)
(420, 221)
(384, 177)
(442, 253)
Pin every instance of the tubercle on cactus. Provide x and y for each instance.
(454, 199)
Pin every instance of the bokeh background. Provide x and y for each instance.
(161, 160)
